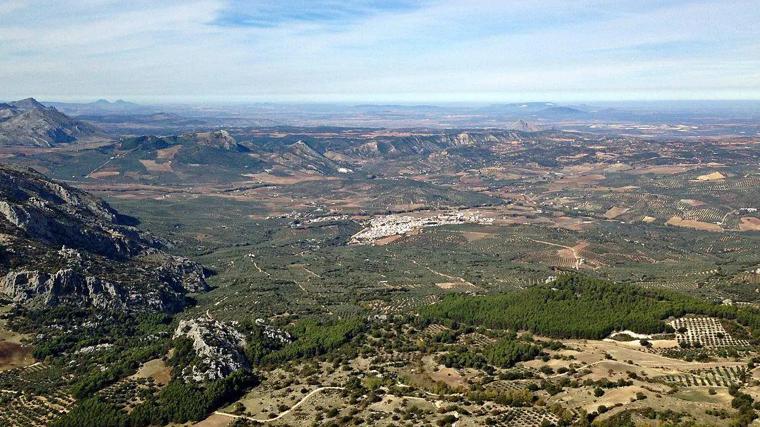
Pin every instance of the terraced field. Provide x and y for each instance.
(31, 396)
(704, 332)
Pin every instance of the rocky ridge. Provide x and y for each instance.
(62, 246)
(29, 123)
(219, 348)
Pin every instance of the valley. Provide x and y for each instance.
(321, 213)
(294, 275)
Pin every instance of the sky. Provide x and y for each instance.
(379, 51)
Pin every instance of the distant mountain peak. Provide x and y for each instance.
(216, 139)
(563, 111)
(28, 104)
(524, 126)
(27, 122)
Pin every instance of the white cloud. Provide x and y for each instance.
(448, 48)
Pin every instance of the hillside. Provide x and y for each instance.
(61, 246)
(29, 123)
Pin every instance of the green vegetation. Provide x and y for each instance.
(178, 402)
(504, 353)
(311, 338)
(576, 306)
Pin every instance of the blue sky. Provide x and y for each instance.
(379, 51)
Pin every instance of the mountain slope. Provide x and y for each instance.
(213, 156)
(300, 156)
(29, 123)
(61, 246)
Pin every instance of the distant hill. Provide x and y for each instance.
(29, 123)
(561, 112)
(238, 155)
(300, 156)
(523, 126)
(212, 156)
(101, 107)
(517, 108)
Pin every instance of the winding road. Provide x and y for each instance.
(281, 414)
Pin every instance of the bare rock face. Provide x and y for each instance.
(39, 289)
(218, 345)
(36, 287)
(181, 272)
(215, 139)
(64, 246)
(57, 214)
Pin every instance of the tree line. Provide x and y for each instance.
(577, 306)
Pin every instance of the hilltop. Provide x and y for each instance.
(29, 123)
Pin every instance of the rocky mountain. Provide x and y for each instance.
(218, 346)
(392, 147)
(215, 139)
(212, 156)
(240, 155)
(523, 126)
(29, 123)
(301, 156)
(62, 246)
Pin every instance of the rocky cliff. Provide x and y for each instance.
(60, 245)
(218, 346)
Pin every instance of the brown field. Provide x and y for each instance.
(464, 286)
(624, 189)
(615, 212)
(749, 223)
(215, 420)
(104, 174)
(575, 181)
(168, 153)
(663, 169)
(387, 240)
(13, 355)
(499, 173)
(714, 176)
(473, 236)
(152, 166)
(690, 223)
(693, 203)
(575, 224)
(156, 369)
(285, 180)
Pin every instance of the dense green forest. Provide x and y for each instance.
(576, 306)
(311, 338)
